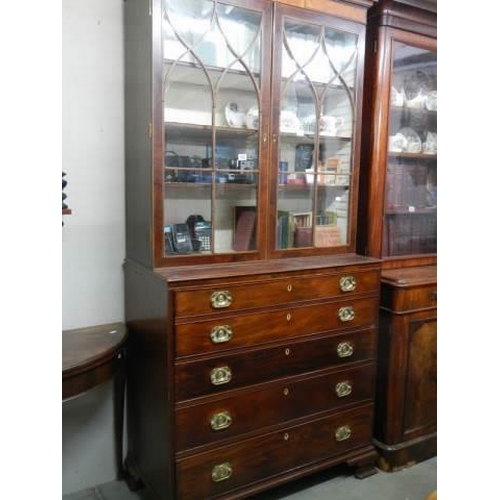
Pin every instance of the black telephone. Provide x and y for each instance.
(194, 235)
(178, 238)
(201, 232)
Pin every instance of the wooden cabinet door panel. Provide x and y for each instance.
(420, 410)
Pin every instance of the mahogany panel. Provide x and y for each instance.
(421, 381)
(254, 366)
(277, 402)
(91, 356)
(272, 325)
(409, 289)
(262, 457)
(406, 394)
(278, 290)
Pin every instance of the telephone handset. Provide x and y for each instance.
(194, 235)
(201, 232)
(182, 238)
(177, 238)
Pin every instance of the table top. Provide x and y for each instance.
(410, 276)
(85, 348)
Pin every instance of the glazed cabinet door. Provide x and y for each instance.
(215, 87)
(400, 151)
(316, 88)
(410, 211)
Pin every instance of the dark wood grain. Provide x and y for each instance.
(90, 357)
(271, 454)
(275, 290)
(275, 325)
(254, 366)
(389, 22)
(275, 402)
(406, 398)
(284, 313)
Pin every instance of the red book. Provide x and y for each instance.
(245, 227)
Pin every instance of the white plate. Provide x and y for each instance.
(252, 118)
(235, 115)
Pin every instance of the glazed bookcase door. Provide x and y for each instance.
(410, 208)
(214, 90)
(314, 160)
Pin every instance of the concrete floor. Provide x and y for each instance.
(412, 483)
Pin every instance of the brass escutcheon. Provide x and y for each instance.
(221, 421)
(343, 433)
(286, 437)
(346, 314)
(345, 349)
(221, 333)
(221, 472)
(221, 375)
(221, 299)
(289, 288)
(347, 283)
(287, 352)
(343, 389)
(289, 316)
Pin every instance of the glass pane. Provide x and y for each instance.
(315, 140)
(212, 113)
(410, 224)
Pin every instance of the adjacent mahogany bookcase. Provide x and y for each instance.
(252, 320)
(398, 196)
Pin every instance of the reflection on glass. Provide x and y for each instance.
(212, 98)
(315, 142)
(410, 224)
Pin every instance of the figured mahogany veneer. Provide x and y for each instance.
(90, 357)
(253, 366)
(226, 401)
(406, 410)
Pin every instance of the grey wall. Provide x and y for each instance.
(93, 237)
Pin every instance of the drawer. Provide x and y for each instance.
(215, 335)
(409, 299)
(291, 398)
(193, 378)
(206, 475)
(273, 292)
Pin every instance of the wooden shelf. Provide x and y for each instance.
(413, 156)
(404, 109)
(417, 211)
(199, 128)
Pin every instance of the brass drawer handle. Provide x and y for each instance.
(221, 299)
(221, 472)
(345, 349)
(343, 433)
(221, 333)
(343, 389)
(221, 375)
(221, 421)
(347, 283)
(346, 314)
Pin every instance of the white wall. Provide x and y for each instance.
(93, 237)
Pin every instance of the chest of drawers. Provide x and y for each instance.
(245, 376)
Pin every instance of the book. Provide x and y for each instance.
(244, 234)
